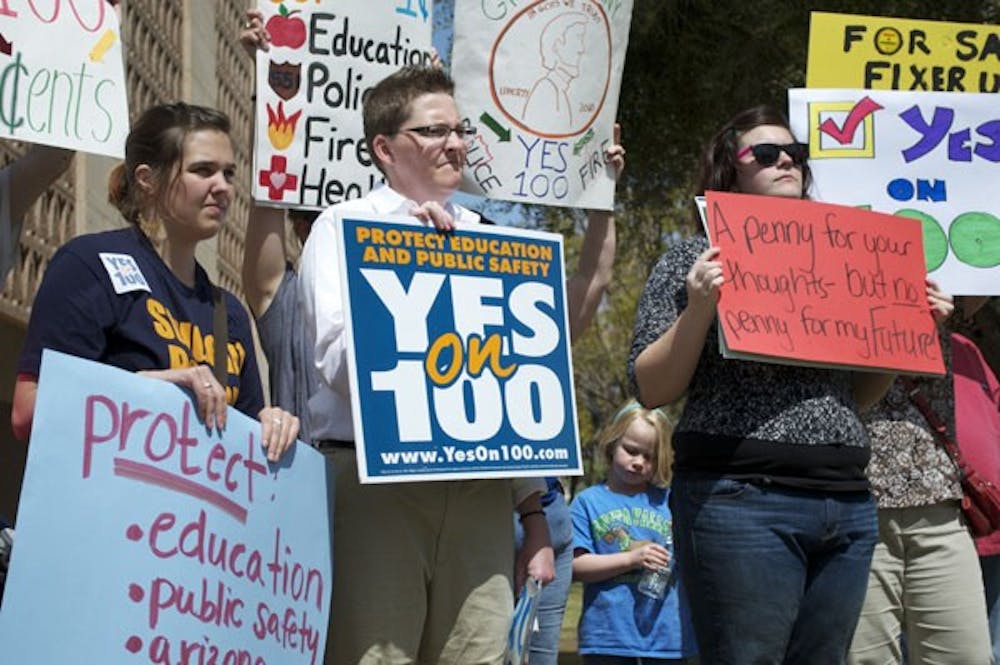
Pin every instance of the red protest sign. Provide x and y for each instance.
(822, 284)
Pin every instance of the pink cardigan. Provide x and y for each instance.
(977, 419)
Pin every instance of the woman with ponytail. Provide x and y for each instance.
(136, 298)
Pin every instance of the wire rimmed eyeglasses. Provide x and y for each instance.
(442, 131)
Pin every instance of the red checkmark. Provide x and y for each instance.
(845, 134)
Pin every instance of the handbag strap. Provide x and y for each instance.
(938, 428)
(220, 331)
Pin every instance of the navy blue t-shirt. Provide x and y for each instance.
(109, 297)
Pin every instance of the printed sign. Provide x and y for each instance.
(142, 537)
(458, 350)
(540, 83)
(62, 81)
(932, 156)
(885, 53)
(821, 284)
(325, 55)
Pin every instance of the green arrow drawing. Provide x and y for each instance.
(502, 133)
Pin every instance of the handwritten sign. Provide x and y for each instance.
(144, 538)
(458, 352)
(325, 55)
(821, 284)
(540, 83)
(62, 81)
(885, 53)
(931, 156)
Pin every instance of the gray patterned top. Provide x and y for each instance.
(748, 400)
(908, 468)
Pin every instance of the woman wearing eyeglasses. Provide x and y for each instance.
(774, 525)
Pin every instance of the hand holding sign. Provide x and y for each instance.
(704, 281)
(942, 305)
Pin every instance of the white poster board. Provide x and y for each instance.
(540, 83)
(933, 156)
(309, 147)
(62, 81)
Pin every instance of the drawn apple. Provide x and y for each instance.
(285, 29)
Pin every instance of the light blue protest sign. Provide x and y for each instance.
(458, 351)
(144, 538)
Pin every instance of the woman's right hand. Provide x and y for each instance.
(704, 281)
(209, 394)
(254, 35)
(652, 556)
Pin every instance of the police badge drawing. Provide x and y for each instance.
(458, 351)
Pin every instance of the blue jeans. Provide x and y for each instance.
(772, 574)
(552, 604)
(991, 581)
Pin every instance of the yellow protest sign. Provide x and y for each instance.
(883, 53)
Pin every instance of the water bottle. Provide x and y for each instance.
(653, 583)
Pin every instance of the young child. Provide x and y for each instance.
(619, 530)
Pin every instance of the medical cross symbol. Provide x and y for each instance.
(276, 180)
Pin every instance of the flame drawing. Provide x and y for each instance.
(281, 130)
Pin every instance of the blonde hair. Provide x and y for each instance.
(631, 411)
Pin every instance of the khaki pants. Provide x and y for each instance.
(924, 582)
(422, 571)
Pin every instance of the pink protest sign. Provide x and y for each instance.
(822, 284)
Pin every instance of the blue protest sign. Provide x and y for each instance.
(458, 351)
(144, 538)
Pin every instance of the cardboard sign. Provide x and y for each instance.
(144, 538)
(540, 83)
(886, 53)
(62, 81)
(821, 284)
(932, 156)
(325, 55)
(458, 351)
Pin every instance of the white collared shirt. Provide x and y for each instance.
(323, 312)
(323, 315)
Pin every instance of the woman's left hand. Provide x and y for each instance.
(615, 154)
(279, 429)
(941, 304)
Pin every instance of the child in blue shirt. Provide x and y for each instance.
(619, 531)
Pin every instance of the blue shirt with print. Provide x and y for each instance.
(616, 619)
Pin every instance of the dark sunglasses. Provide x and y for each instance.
(767, 154)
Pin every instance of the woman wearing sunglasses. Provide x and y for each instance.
(774, 525)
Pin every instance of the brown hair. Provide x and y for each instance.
(612, 433)
(388, 104)
(157, 140)
(718, 163)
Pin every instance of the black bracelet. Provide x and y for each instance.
(529, 514)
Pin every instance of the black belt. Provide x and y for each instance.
(333, 444)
